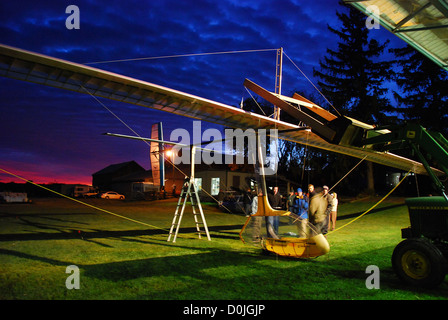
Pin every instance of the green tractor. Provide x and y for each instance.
(422, 258)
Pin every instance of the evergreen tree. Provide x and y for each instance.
(424, 84)
(352, 79)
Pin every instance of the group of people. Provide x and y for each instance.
(317, 207)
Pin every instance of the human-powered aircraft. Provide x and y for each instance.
(322, 129)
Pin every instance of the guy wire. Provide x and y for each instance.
(81, 202)
(123, 122)
(348, 173)
(180, 56)
(374, 206)
(314, 85)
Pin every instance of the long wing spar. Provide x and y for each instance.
(37, 68)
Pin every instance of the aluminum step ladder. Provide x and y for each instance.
(189, 191)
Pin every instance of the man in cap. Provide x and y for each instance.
(329, 201)
(301, 207)
(320, 207)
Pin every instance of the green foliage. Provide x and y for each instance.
(424, 97)
(352, 76)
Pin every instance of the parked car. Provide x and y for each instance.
(112, 195)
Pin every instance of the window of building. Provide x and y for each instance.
(198, 183)
(215, 186)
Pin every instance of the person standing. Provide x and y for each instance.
(276, 200)
(256, 220)
(329, 202)
(334, 212)
(319, 210)
(301, 204)
(247, 201)
(301, 207)
(310, 191)
(290, 202)
(276, 203)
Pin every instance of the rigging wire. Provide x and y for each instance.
(111, 112)
(124, 123)
(81, 202)
(192, 55)
(176, 56)
(180, 56)
(374, 206)
(142, 139)
(313, 85)
(256, 102)
(347, 173)
(305, 156)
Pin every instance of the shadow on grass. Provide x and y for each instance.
(216, 273)
(69, 232)
(354, 266)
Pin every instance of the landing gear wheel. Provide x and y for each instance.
(418, 262)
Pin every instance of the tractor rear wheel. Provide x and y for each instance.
(418, 262)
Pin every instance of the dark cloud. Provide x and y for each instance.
(49, 134)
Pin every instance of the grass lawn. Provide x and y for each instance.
(120, 259)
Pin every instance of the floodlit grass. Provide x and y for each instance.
(120, 259)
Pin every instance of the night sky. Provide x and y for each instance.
(53, 135)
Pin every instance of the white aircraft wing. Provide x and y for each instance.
(33, 67)
(421, 23)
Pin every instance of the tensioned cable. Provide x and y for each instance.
(313, 85)
(305, 158)
(256, 102)
(142, 139)
(174, 56)
(374, 206)
(104, 106)
(81, 202)
(123, 122)
(347, 173)
(127, 126)
(110, 111)
(180, 56)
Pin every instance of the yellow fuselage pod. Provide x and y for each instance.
(287, 246)
(298, 247)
